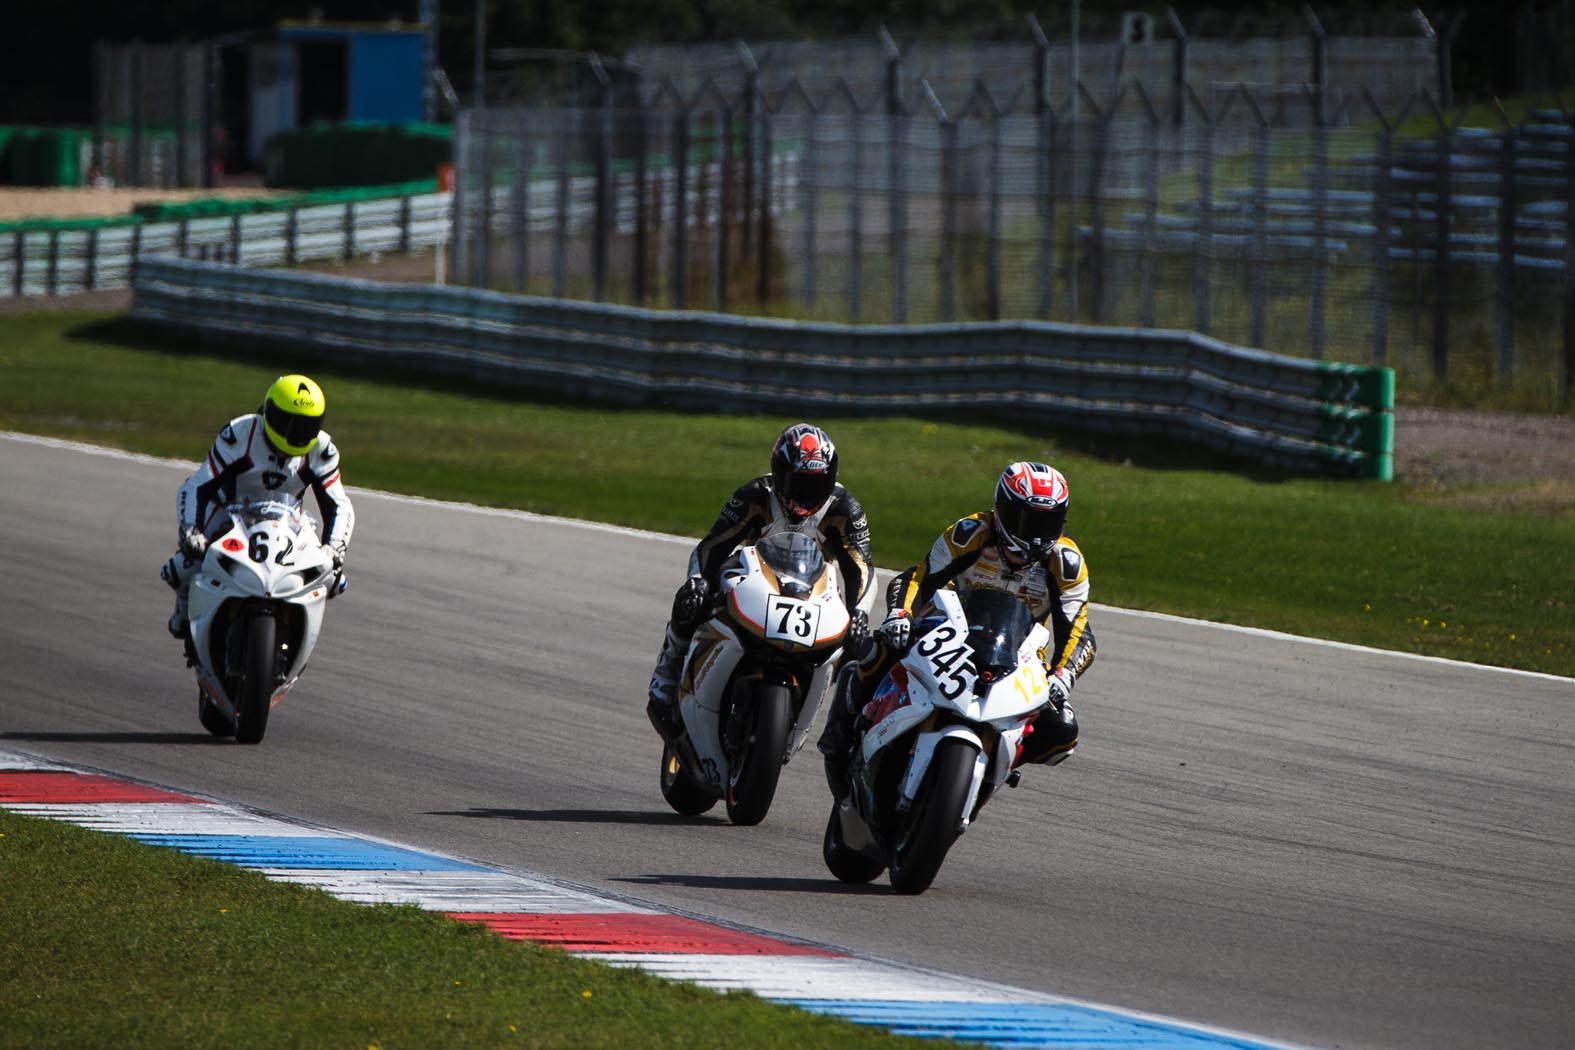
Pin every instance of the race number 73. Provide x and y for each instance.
(792, 621)
(950, 661)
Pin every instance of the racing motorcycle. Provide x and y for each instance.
(756, 673)
(256, 607)
(938, 739)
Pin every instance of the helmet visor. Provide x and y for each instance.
(806, 492)
(1031, 527)
(295, 432)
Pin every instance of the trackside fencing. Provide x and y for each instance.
(1283, 412)
(66, 256)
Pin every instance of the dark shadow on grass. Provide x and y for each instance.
(757, 884)
(652, 817)
(445, 376)
(115, 738)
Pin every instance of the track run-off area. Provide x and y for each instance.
(1313, 843)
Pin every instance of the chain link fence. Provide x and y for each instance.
(1305, 220)
(152, 114)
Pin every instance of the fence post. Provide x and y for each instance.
(896, 212)
(1049, 130)
(136, 71)
(856, 207)
(724, 211)
(640, 123)
(182, 151)
(1442, 245)
(18, 253)
(751, 75)
(994, 286)
(680, 201)
(560, 226)
(482, 273)
(1320, 175)
(182, 231)
(1506, 257)
(519, 204)
(290, 222)
(763, 268)
(1569, 265)
(404, 224)
(136, 256)
(1258, 280)
(950, 157)
(1203, 250)
(601, 221)
(349, 231)
(1096, 208)
(1320, 65)
(1149, 256)
(1042, 158)
(235, 238)
(1178, 70)
(1383, 186)
(811, 184)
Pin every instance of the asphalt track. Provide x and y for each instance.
(1310, 843)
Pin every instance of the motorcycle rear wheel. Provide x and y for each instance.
(752, 783)
(934, 822)
(212, 719)
(256, 692)
(846, 863)
(679, 789)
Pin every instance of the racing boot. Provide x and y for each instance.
(1052, 737)
(179, 621)
(836, 740)
(662, 707)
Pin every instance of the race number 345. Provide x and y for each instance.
(792, 621)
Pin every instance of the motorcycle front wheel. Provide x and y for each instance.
(679, 789)
(757, 765)
(935, 821)
(256, 692)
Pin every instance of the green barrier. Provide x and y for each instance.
(352, 154)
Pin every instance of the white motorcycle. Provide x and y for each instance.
(256, 607)
(755, 676)
(938, 739)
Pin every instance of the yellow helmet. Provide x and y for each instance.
(293, 414)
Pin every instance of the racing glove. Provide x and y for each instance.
(338, 551)
(690, 601)
(1060, 687)
(895, 630)
(858, 641)
(192, 542)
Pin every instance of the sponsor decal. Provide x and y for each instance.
(964, 530)
(227, 435)
(233, 545)
(271, 480)
(892, 694)
(1071, 564)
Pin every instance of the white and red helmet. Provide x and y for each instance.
(1030, 508)
(803, 469)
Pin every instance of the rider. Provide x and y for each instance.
(801, 493)
(1018, 548)
(280, 450)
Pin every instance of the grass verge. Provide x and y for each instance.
(106, 942)
(1164, 528)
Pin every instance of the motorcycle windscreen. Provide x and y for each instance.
(997, 625)
(795, 558)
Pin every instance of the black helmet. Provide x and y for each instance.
(803, 469)
(1030, 508)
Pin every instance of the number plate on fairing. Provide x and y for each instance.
(791, 621)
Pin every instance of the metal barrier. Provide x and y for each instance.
(59, 261)
(1283, 412)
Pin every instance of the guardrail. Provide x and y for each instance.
(59, 258)
(1279, 411)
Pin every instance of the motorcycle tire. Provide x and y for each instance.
(679, 789)
(212, 719)
(846, 863)
(752, 782)
(935, 821)
(256, 692)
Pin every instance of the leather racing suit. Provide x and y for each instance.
(244, 465)
(754, 511)
(968, 555)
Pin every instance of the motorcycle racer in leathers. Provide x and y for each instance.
(279, 451)
(801, 493)
(1018, 547)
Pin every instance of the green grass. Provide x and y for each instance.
(106, 942)
(1485, 575)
